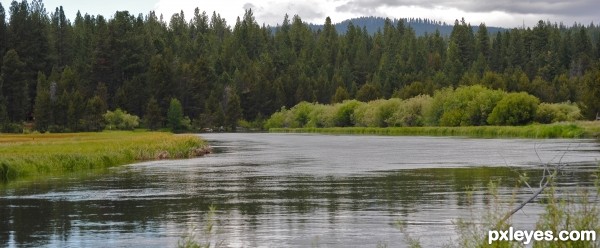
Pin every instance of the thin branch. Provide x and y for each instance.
(546, 178)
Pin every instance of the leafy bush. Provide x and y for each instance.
(11, 128)
(300, 114)
(465, 106)
(344, 113)
(514, 109)
(376, 113)
(121, 120)
(277, 119)
(557, 112)
(412, 112)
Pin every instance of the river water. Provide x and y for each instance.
(291, 190)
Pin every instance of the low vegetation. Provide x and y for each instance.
(538, 131)
(466, 111)
(45, 155)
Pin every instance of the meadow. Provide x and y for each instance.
(47, 155)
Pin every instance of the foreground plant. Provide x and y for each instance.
(209, 234)
(44, 155)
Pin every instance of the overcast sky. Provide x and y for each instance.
(504, 13)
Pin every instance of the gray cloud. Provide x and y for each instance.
(550, 7)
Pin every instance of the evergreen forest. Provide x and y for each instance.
(193, 72)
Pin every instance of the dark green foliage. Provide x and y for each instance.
(93, 119)
(233, 112)
(42, 112)
(341, 94)
(367, 92)
(514, 109)
(14, 86)
(127, 60)
(153, 117)
(591, 94)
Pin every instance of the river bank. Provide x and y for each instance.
(47, 155)
(581, 129)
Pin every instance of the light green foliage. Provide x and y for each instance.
(278, 119)
(377, 113)
(557, 112)
(344, 113)
(44, 155)
(514, 109)
(120, 120)
(465, 106)
(300, 114)
(411, 112)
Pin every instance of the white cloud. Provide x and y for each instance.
(266, 11)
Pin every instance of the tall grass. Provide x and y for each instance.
(558, 130)
(44, 155)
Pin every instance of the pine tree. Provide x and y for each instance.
(42, 112)
(14, 87)
(175, 115)
(341, 94)
(153, 117)
(93, 119)
(3, 32)
(233, 112)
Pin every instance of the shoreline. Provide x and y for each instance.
(590, 130)
(24, 156)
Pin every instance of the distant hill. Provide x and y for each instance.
(421, 26)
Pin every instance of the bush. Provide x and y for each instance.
(12, 128)
(465, 106)
(514, 109)
(412, 112)
(121, 120)
(557, 112)
(300, 114)
(344, 113)
(376, 113)
(277, 119)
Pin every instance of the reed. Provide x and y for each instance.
(46, 155)
(538, 131)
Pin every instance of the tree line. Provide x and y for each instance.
(64, 75)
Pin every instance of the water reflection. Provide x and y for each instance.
(284, 190)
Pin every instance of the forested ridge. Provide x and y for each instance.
(63, 75)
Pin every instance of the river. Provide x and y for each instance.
(291, 190)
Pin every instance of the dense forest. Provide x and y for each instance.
(64, 75)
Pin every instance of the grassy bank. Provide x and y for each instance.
(540, 131)
(46, 155)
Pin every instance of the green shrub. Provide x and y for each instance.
(465, 106)
(121, 120)
(514, 109)
(344, 113)
(300, 114)
(557, 112)
(11, 128)
(412, 112)
(376, 113)
(277, 119)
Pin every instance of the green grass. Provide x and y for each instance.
(47, 155)
(539, 131)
